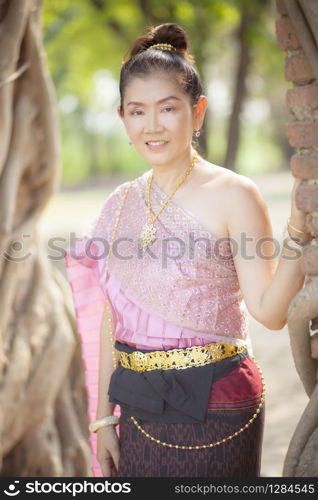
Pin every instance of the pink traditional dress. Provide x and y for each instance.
(183, 291)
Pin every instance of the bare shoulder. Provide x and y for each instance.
(232, 186)
(234, 197)
(227, 179)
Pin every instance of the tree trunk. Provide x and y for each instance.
(233, 135)
(299, 40)
(43, 399)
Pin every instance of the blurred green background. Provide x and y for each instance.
(236, 55)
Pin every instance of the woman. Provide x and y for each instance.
(191, 252)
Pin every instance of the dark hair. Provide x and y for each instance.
(142, 62)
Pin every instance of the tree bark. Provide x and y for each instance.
(44, 421)
(301, 457)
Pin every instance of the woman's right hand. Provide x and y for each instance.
(108, 450)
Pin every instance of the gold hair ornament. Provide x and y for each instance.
(159, 46)
(169, 47)
(163, 46)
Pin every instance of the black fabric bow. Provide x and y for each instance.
(167, 395)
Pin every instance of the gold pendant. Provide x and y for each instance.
(148, 236)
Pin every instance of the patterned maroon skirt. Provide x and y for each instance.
(234, 400)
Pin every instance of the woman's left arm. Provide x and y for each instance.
(269, 273)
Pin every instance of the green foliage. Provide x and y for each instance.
(83, 37)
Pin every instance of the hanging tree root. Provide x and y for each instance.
(301, 458)
(43, 398)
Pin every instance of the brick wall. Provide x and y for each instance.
(302, 128)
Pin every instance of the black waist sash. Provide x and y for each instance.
(167, 395)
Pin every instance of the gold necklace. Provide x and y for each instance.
(148, 233)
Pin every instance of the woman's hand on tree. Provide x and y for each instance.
(297, 216)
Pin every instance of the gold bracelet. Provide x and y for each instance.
(295, 229)
(299, 241)
(102, 422)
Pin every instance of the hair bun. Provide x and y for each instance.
(171, 33)
(164, 33)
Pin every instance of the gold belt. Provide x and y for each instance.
(178, 359)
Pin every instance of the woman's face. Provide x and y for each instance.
(156, 109)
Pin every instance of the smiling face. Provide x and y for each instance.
(159, 118)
